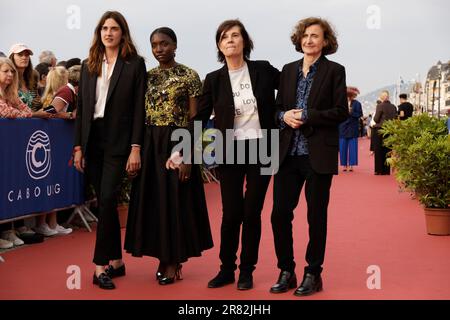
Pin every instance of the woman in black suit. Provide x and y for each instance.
(311, 102)
(109, 131)
(242, 95)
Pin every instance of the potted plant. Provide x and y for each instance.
(421, 159)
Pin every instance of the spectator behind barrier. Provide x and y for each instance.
(48, 57)
(20, 56)
(43, 69)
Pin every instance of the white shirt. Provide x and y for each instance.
(101, 91)
(246, 118)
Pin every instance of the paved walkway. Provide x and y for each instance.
(371, 225)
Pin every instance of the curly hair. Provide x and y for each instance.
(328, 33)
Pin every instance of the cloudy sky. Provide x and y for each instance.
(379, 40)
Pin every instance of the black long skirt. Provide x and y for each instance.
(167, 218)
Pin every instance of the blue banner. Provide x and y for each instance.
(35, 171)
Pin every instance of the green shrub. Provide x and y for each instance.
(420, 157)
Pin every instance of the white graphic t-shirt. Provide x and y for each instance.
(246, 119)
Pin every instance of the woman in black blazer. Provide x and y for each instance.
(109, 130)
(311, 102)
(242, 95)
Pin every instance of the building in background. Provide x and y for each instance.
(437, 89)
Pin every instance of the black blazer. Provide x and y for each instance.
(384, 111)
(327, 107)
(217, 95)
(124, 111)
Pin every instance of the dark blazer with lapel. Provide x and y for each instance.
(327, 107)
(217, 95)
(124, 110)
(384, 111)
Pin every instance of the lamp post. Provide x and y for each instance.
(432, 104)
(439, 93)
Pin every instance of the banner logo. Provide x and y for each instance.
(37, 156)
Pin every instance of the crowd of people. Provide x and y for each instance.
(124, 119)
(47, 91)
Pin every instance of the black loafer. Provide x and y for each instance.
(222, 279)
(114, 273)
(286, 280)
(245, 282)
(310, 285)
(103, 281)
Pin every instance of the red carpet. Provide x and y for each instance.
(370, 223)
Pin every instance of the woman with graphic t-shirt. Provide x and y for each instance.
(242, 95)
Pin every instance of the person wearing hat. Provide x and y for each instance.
(20, 56)
(349, 132)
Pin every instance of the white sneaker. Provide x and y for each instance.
(5, 244)
(45, 230)
(62, 230)
(11, 236)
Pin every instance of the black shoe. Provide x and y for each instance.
(222, 278)
(287, 280)
(310, 284)
(245, 282)
(114, 273)
(168, 280)
(30, 238)
(103, 281)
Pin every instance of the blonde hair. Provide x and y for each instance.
(56, 78)
(384, 95)
(11, 92)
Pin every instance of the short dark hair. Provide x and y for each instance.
(43, 68)
(61, 63)
(73, 62)
(224, 27)
(403, 96)
(328, 33)
(167, 31)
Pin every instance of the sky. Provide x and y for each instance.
(379, 40)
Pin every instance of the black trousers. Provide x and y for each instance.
(288, 182)
(241, 208)
(105, 172)
(380, 153)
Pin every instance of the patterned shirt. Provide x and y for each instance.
(31, 98)
(8, 110)
(168, 93)
(299, 144)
